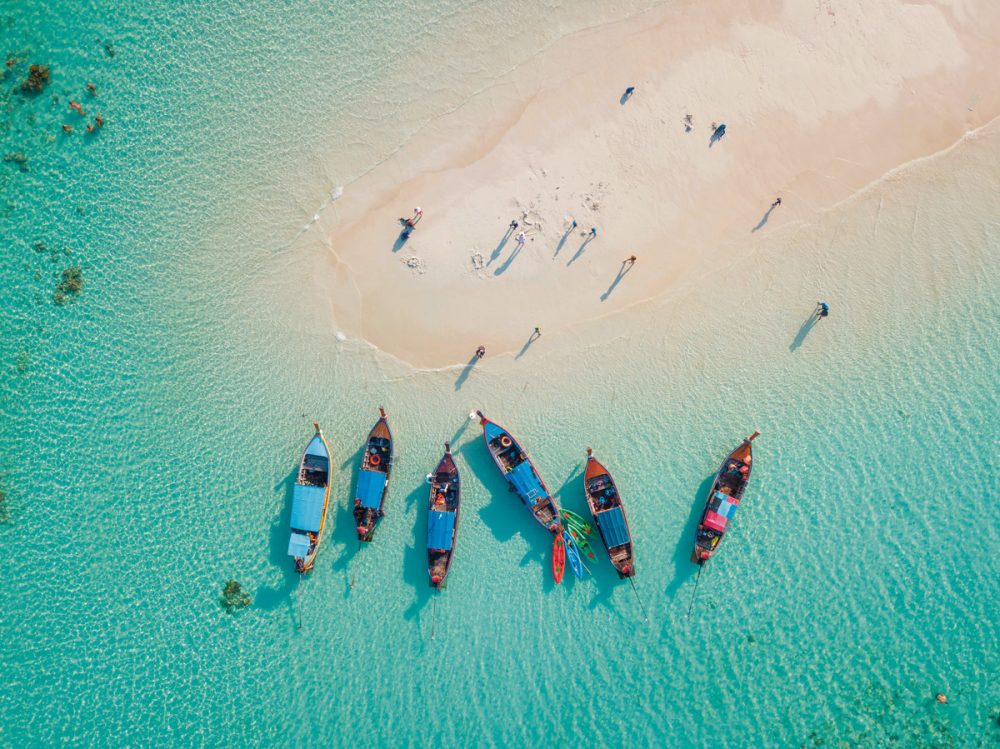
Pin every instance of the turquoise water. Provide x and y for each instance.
(149, 431)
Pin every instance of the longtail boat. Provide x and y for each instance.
(609, 515)
(723, 499)
(310, 499)
(373, 478)
(442, 518)
(520, 472)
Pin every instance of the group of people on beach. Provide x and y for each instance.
(718, 131)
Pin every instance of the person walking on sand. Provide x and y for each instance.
(776, 203)
(520, 240)
(630, 261)
(536, 334)
(629, 91)
(480, 352)
(573, 225)
(513, 225)
(822, 310)
(593, 232)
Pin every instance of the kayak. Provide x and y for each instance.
(582, 543)
(558, 559)
(575, 521)
(573, 555)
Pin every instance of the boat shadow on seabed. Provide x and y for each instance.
(684, 568)
(343, 534)
(505, 514)
(415, 556)
(277, 551)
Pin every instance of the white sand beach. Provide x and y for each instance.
(818, 98)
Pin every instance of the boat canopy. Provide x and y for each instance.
(440, 529)
(370, 486)
(526, 482)
(613, 528)
(298, 545)
(721, 510)
(307, 507)
(316, 447)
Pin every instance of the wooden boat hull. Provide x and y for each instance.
(443, 513)
(609, 516)
(310, 502)
(723, 500)
(518, 470)
(372, 486)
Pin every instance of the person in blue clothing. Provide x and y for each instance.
(629, 91)
(822, 309)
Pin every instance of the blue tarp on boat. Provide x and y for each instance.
(440, 528)
(307, 507)
(316, 447)
(298, 545)
(370, 486)
(613, 529)
(527, 484)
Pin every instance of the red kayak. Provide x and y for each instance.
(558, 559)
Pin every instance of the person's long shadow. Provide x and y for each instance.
(763, 220)
(466, 371)
(415, 558)
(625, 97)
(626, 267)
(401, 238)
(800, 337)
(684, 568)
(562, 241)
(277, 552)
(717, 135)
(527, 344)
(499, 248)
(508, 261)
(580, 251)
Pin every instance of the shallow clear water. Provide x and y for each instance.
(149, 430)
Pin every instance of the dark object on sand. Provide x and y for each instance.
(234, 597)
(70, 286)
(18, 158)
(38, 78)
(822, 309)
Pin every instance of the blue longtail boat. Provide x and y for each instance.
(609, 514)
(373, 479)
(520, 472)
(310, 499)
(442, 518)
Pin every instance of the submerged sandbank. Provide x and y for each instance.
(818, 102)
